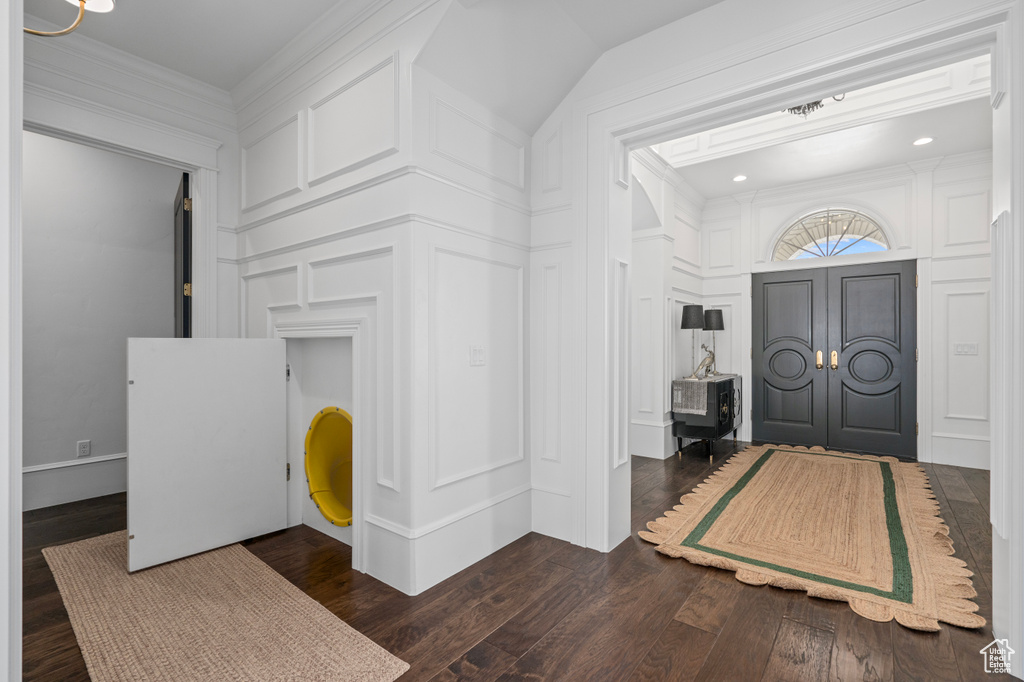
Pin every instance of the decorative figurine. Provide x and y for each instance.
(706, 364)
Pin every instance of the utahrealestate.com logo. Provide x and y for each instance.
(997, 656)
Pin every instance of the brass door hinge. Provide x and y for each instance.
(188, 289)
(187, 204)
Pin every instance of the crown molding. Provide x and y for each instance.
(303, 49)
(124, 71)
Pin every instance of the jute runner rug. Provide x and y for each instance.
(854, 528)
(219, 616)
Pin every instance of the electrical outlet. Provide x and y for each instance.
(84, 448)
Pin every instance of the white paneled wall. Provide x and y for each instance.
(377, 197)
(936, 213)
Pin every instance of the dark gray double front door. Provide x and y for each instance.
(834, 358)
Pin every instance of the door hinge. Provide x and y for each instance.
(188, 289)
(288, 472)
(187, 202)
(917, 428)
(917, 281)
(287, 372)
(917, 355)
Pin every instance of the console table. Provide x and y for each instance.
(723, 413)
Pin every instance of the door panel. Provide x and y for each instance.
(789, 392)
(182, 260)
(872, 327)
(206, 445)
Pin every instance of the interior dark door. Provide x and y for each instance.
(872, 398)
(862, 319)
(183, 261)
(789, 402)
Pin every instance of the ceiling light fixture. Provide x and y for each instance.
(923, 140)
(739, 178)
(93, 6)
(810, 107)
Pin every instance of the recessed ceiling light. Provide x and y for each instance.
(923, 140)
(739, 178)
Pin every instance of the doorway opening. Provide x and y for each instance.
(321, 375)
(98, 268)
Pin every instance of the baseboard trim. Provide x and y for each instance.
(47, 485)
(73, 463)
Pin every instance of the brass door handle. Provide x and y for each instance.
(819, 361)
(835, 360)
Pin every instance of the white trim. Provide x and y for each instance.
(960, 436)
(551, 491)
(650, 422)
(379, 180)
(426, 529)
(434, 480)
(77, 119)
(72, 463)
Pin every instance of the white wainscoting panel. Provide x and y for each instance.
(644, 377)
(687, 241)
(271, 167)
(469, 142)
(347, 277)
(960, 347)
(962, 214)
(546, 413)
(356, 124)
(265, 292)
(476, 336)
(551, 168)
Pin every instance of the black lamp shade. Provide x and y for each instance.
(693, 317)
(713, 320)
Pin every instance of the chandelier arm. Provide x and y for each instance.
(69, 29)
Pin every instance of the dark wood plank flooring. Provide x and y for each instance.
(542, 609)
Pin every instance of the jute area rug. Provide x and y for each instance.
(219, 616)
(854, 528)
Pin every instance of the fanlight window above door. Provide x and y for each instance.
(831, 232)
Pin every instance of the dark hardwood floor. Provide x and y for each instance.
(542, 609)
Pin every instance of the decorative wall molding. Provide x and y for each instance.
(363, 122)
(930, 89)
(428, 528)
(351, 257)
(264, 155)
(444, 145)
(620, 360)
(435, 479)
(304, 49)
(245, 294)
(381, 179)
(77, 119)
(215, 107)
(547, 403)
(551, 170)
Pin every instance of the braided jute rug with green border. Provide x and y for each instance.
(855, 528)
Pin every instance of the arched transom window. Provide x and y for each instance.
(830, 233)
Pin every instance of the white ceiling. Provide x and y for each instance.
(613, 22)
(519, 58)
(956, 129)
(219, 42)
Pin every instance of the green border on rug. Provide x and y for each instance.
(903, 582)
